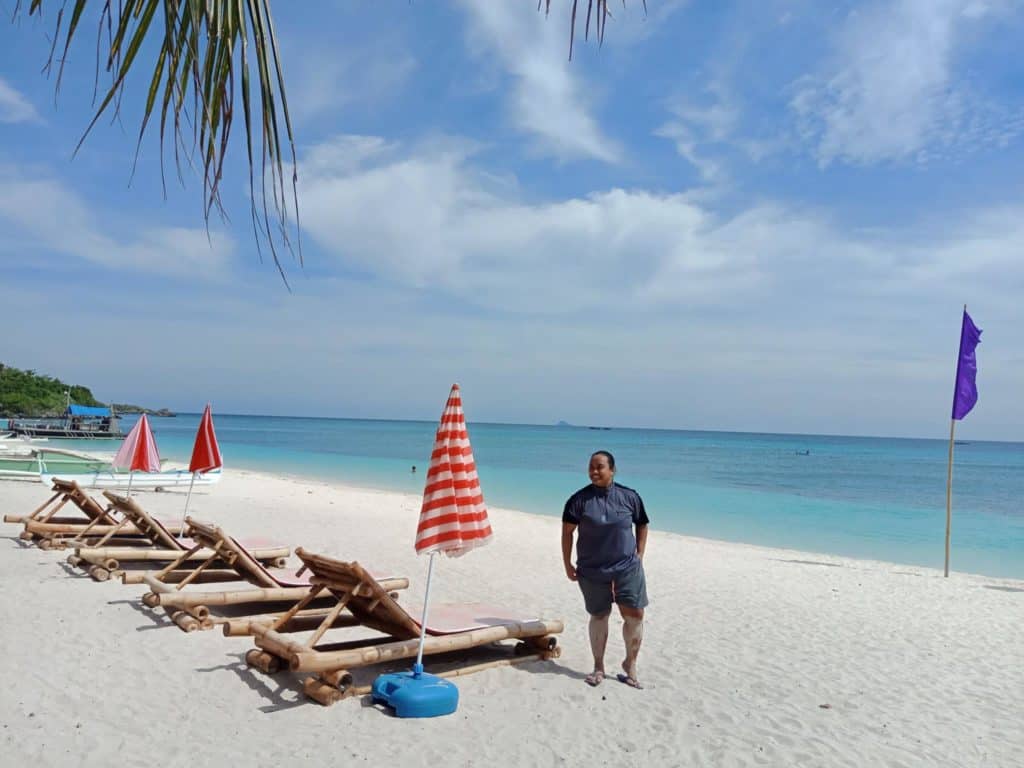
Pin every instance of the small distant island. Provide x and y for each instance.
(123, 408)
(25, 393)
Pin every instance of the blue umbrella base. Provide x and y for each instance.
(416, 695)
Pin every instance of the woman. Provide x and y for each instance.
(609, 561)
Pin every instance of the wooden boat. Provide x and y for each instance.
(79, 422)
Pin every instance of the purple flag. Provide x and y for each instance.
(965, 393)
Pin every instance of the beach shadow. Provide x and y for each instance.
(272, 688)
(1000, 588)
(809, 562)
(158, 619)
(445, 662)
(283, 690)
(73, 570)
(20, 542)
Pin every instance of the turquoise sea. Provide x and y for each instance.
(876, 498)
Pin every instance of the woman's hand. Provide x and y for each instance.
(570, 572)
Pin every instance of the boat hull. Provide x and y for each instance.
(141, 480)
(28, 462)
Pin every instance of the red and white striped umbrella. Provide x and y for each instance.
(453, 518)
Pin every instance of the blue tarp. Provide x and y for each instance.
(86, 410)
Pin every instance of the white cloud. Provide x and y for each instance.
(696, 127)
(547, 98)
(891, 91)
(15, 108)
(429, 219)
(43, 213)
(325, 81)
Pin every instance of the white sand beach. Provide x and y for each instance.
(751, 656)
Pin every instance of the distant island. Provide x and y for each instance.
(25, 393)
(122, 408)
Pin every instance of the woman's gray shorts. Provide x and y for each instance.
(628, 589)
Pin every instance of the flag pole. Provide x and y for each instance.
(417, 669)
(949, 469)
(949, 494)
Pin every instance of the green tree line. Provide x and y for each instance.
(27, 393)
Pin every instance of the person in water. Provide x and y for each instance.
(609, 561)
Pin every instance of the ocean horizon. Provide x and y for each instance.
(877, 498)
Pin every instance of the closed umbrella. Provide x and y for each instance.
(205, 453)
(138, 451)
(453, 520)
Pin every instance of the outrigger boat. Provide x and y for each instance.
(29, 462)
(80, 422)
(108, 478)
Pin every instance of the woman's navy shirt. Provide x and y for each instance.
(606, 545)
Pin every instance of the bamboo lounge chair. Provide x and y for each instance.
(190, 609)
(49, 530)
(161, 545)
(452, 628)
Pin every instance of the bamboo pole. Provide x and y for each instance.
(232, 597)
(949, 495)
(42, 529)
(208, 577)
(35, 512)
(267, 662)
(242, 627)
(308, 598)
(306, 660)
(59, 519)
(180, 561)
(131, 554)
(106, 537)
(185, 599)
(49, 515)
(283, 647)
(327, 623)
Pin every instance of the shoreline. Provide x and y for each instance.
(840, 560)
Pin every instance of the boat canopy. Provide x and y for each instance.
(86, 410)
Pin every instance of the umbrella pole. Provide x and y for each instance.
(181, 534)
(417, 668)
(131, 475)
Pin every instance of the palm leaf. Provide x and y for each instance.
(205, 49)
(600, 19)
(203, 52)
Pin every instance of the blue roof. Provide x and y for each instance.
(87, 410)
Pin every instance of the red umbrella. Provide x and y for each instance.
(453, 518)
(138, 451)
(205, 452)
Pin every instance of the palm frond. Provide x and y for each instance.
(206, 50)
(600, 19)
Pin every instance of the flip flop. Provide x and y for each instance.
(632, 682)
(594, 679)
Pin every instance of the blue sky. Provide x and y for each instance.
(742, 216)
